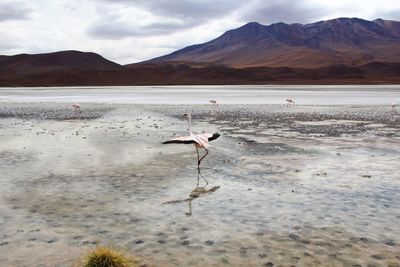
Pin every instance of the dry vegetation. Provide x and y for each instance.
(102, 256)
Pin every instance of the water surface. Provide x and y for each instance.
(303, 186)
(273, 94)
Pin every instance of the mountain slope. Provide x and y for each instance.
(349, 41)
(57, 61)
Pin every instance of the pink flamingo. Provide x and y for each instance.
(289, 102)
(214, 103)
(199, 141)
(77, 107)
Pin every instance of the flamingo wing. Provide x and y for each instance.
(212, 137)
(205, 138)
(181, 140)
(201, 139)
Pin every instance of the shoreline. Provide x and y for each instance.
(195, 86)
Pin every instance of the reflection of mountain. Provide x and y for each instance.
(339, 51)
(349, 41)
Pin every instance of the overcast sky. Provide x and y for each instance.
(128, 31)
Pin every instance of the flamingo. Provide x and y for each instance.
(214, 103)
(289, 102)
(199, 141)
(77, 107)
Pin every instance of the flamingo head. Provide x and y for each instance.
(188, 116)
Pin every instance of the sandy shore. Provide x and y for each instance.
(302, 186)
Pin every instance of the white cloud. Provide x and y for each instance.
(16, 10)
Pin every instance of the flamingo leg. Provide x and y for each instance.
(199, 165)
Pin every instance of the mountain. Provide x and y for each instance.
(55, 62)
(348, 41)
(339, 51)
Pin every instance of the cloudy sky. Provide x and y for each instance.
(129, 31)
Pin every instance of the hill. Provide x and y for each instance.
(54, 62)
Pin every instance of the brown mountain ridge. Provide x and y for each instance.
(349, 41)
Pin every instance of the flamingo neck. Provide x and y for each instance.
(189, 125)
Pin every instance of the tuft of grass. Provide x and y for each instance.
(102, 256)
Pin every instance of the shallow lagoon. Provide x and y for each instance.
(230, 94)
(302, 186)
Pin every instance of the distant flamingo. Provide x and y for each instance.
(214, 103)
(289, 102)
(199, 141)
(77, 107)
